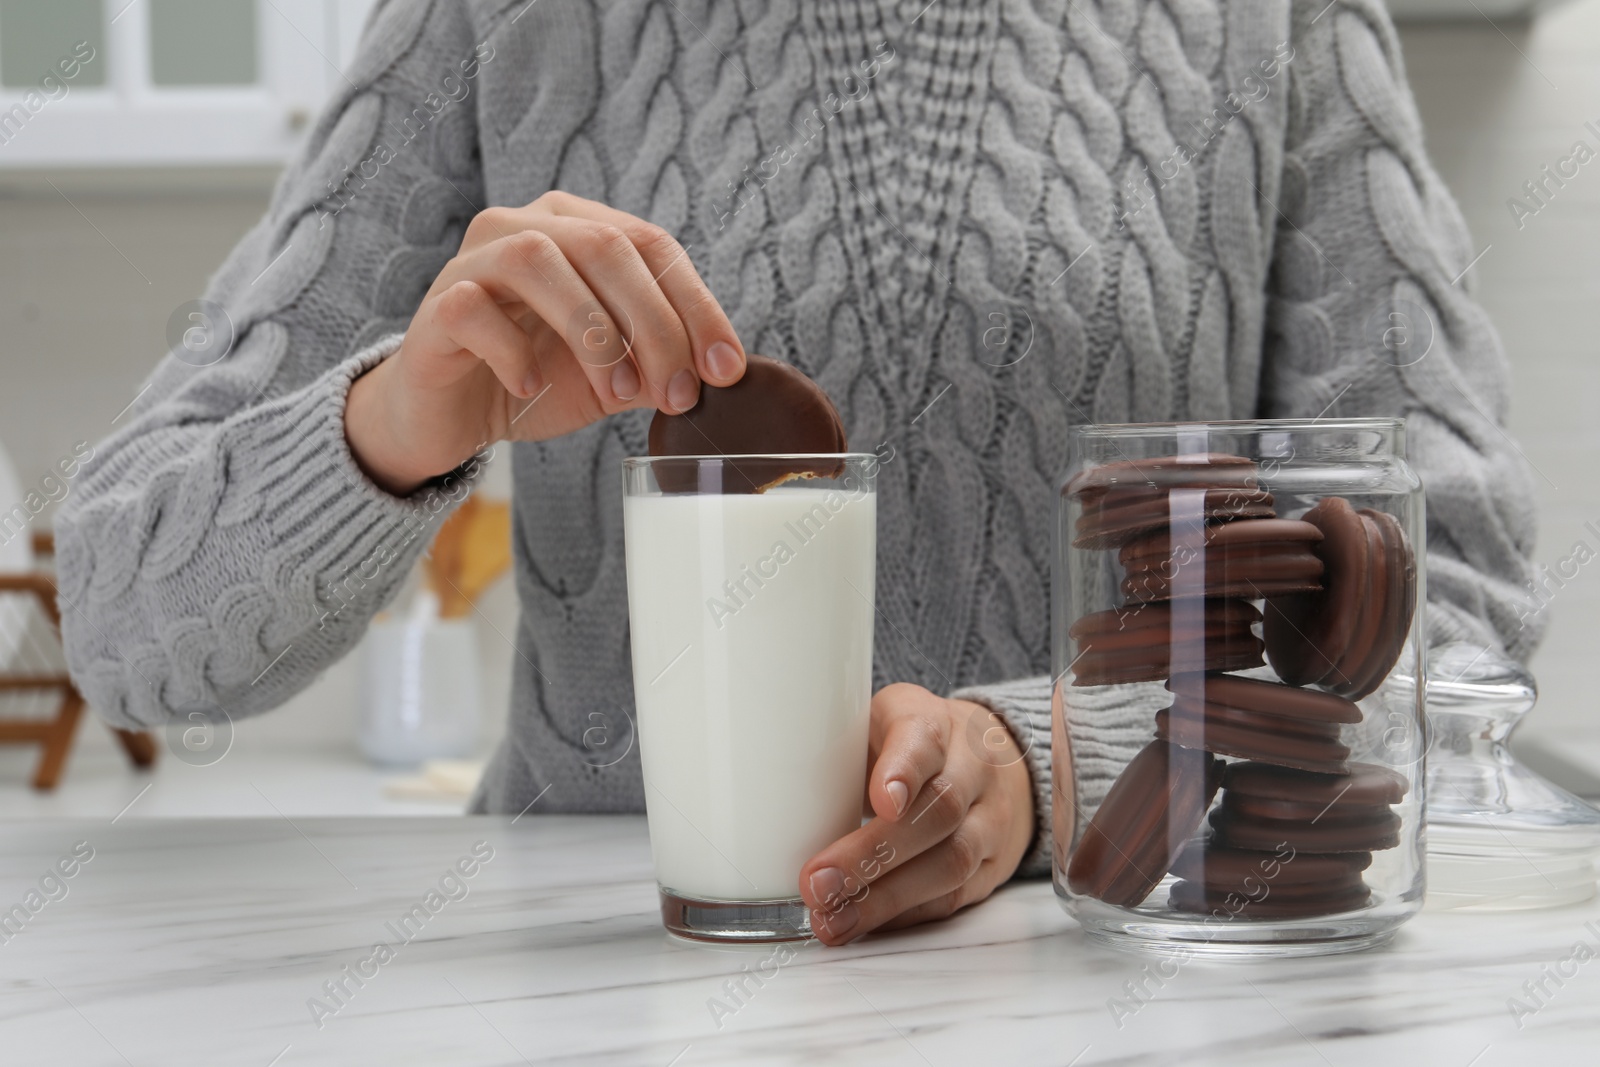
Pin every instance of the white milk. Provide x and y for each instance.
(752, 661)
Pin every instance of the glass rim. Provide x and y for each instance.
(646, 461)
(1114, 429)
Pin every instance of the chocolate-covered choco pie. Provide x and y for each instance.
(1268, 902)
(1311, 812)
(1290, 842)
(1246, 558)
(774, 415)
(1371, 834)
(1224, 869)
(1154, 805)
(1123, 500)
(1363, 785)
(1258, 720)
(1198, 470)
(1277, 883)
(1280, 882)
(1346, 636)
(1288, 743)
(1143, 643)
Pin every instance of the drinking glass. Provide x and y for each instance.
(750, 600)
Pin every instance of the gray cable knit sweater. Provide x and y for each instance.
(975, 224)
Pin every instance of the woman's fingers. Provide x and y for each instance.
(976, 888)
(465, 317)
(931, 884)
(718, 355)
(530, 267)
(834, 880)
(960, 830)
(920, 797)
(914, 748)
(590, 283)
(948, 826)
(609, 314)
(642, 322)
(655, 335)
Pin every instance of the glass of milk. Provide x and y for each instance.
(751, 617)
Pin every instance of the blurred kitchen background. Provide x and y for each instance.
(121, 195)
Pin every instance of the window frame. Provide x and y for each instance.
(131, 122)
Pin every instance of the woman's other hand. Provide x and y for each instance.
(953, 806)
(550, 317)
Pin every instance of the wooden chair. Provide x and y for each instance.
(39, 670)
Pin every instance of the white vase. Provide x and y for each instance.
(421, 697)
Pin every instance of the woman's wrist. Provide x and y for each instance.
(367, 431)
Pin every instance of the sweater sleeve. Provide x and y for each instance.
(1371, 313)
(223, 547)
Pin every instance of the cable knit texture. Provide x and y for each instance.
(943, 215)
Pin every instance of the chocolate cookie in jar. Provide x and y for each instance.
(1238, 657)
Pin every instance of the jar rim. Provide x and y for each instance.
(1131, 429)
(633, 462)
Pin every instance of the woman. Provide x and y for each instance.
(974, 224)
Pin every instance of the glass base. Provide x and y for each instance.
(1168, 936)
(737, 921)
(1503, 864)
(1500, 837)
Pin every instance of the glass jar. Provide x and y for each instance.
(1238, 726)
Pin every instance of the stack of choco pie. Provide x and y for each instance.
(1298, 820)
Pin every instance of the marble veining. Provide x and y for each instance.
(209, 941)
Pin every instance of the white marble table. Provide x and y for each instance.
(201, 942)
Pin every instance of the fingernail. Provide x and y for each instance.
(827, 884)
(683, 390)
(899, 795)
(625, 381)
(722, 361)
(530, 384)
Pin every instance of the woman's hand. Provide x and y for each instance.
(550, 317)
(954, 815)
